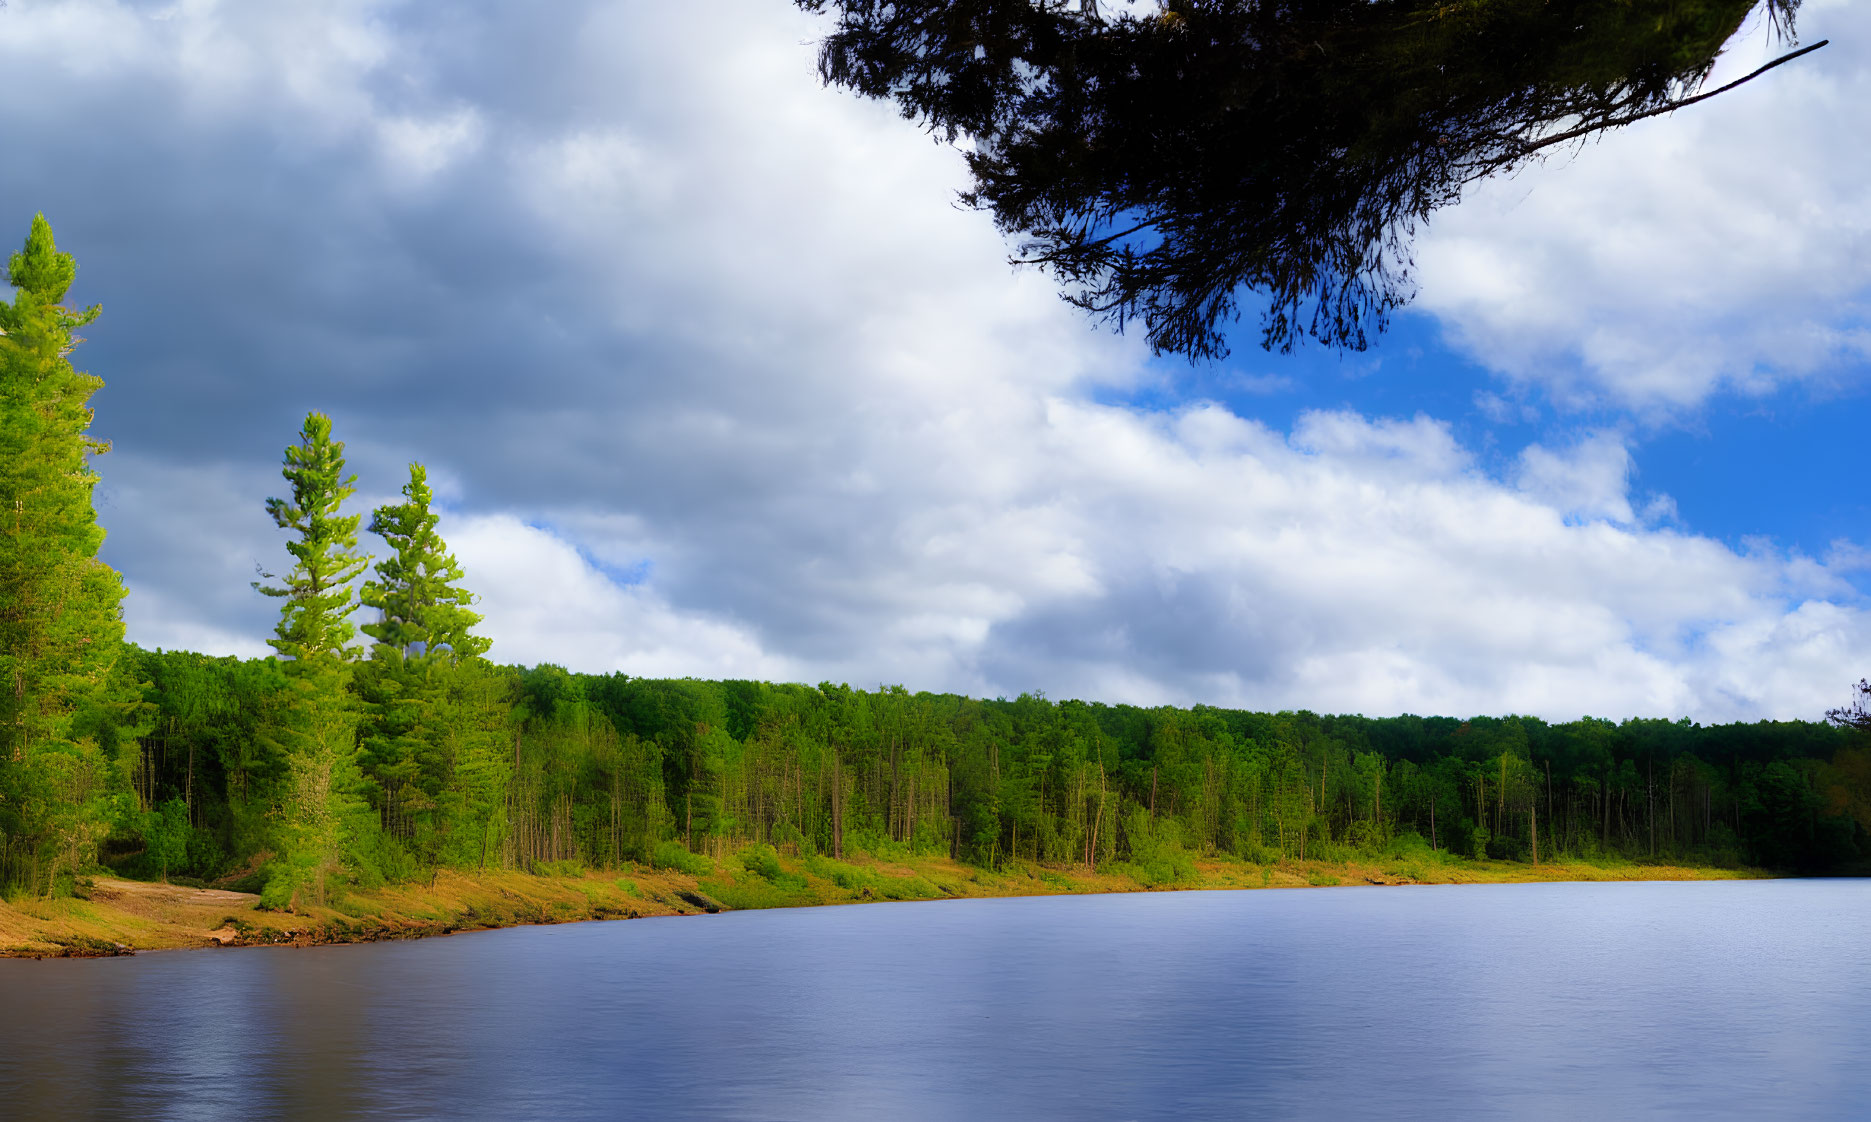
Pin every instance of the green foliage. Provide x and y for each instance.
(905, 888)
(315, 618)
(672, 855)
(65, 706)
(433, 733)
(1160, 160)
(558, 771)
(372, 857)
(1157, 857)
(1478, 841)
(281, 886)
(1504, 848)
(166, 835)
(763, 862)
(314, 733)
(754, 892)
(423, 611)
(850, 877)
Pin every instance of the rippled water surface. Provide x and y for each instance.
(1738, 999)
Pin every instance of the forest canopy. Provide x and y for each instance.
(1162, 160)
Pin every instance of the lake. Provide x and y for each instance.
(1693, 1000)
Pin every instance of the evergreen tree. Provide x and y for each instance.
(61, 624)
(427, 712)
(424, 611)
(315, 620)
(317, 733)
(1161, 160)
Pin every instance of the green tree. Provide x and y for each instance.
(315, 618)
(316, 733)
(423, 713)
(61, 624)
(423, 610)
(165, 835)
(1161, 159)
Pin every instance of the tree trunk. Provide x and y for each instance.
(1500, 810)
(1549, 798)
(838, 807)
(1325, 758)
(893, 816)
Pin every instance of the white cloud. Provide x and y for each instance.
(1589, 480)
(545, 603)
(1357, 565)
(1724, 248)
(421, 147)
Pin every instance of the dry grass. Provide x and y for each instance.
(123, 916)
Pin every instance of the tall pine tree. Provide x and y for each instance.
(317, 735)
(61, 623)
(424, 611)
(431, 716)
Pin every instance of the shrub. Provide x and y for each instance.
(673, 855)
(906, 888)
(1365, 836)
(1157, 857)
(1505, 848)
(845, 876)
(1478, 842)
(1414, 848)
(788, 834)
(751, 892)
(1255, 853)
(763, 862)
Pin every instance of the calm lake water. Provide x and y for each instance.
(1738, 999)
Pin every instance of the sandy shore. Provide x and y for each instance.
(124, 917)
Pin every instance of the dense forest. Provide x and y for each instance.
(340, 761)
(543, 766)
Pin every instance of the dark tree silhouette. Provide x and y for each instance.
(1858, 714)
(1159, 164)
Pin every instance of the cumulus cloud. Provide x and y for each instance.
(1722, 249)
(721, 383)
(1590, 480)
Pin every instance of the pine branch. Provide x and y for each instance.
(1620, 122)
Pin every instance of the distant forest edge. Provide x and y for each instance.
(335, 764)
(607, 769)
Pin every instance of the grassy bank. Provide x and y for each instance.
(112, 916)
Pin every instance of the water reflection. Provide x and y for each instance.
(1737, 999)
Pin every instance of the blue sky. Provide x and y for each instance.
(713, 378)
(1784, 468)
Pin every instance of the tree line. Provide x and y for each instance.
(338, 762)
(607, 769)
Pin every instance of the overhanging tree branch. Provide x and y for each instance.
(1620, 122)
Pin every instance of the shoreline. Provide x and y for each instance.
(121, 917)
